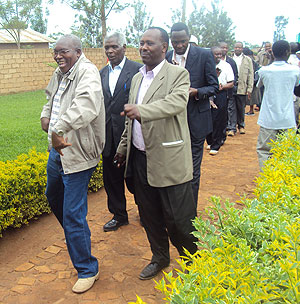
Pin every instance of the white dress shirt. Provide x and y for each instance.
(114, 75)
(180, 59)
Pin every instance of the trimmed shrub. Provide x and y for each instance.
(22, 187)
(249, 255)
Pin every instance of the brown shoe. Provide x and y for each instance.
(242, 131)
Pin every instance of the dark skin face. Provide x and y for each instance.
(217, 55)
(66, 54)
(152, 48)
(238, 49)
(114, 52)
(180, 41)
(224, 49)
(268, 48)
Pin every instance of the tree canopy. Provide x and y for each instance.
(17, 15)
(140, 22)
(280, 25)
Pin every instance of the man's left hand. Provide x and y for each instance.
(132, 112)
(59, 143)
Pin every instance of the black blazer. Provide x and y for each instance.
(114, 105)
(202, 68)
(236, 76)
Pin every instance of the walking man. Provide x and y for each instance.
(74, 118)
(203, 83)
(156, 144)
(116, 81)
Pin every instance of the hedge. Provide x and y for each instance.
(248, 255)
(22, 188)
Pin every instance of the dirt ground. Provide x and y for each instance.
(35, 266)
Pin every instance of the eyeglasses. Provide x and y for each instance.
(60, 52)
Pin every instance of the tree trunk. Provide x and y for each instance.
(103, 21)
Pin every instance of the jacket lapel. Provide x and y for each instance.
(156, 83)
(121, 83)
(191, 57)
(105, 82)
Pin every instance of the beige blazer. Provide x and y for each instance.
(164, 127)
(246, 76)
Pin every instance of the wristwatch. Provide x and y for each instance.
(60, 133)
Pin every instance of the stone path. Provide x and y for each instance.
(35, 267)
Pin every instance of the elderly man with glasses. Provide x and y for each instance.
(74, 118)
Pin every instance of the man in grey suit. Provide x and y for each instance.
(116, 80)
(156, 140)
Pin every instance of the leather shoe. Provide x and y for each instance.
(84, 284)
(151, 270)
(113, 225)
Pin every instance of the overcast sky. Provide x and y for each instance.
(254, 19)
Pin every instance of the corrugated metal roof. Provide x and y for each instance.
(27, 36)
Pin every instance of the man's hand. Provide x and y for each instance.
(59, 143)
(45, 124)
(193, 92)
(249, 95)
(132, 112)
(119, 160)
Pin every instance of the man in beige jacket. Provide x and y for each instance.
(156, 140)
(74, 118)
(236, 107)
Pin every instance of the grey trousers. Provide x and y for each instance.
(236, 112)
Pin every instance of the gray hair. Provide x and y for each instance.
(74, 40)
(118, 36)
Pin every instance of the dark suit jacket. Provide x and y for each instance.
(114, 105)
(203, 77)
(236, 76)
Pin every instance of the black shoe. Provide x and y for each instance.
(151, 270)
(113, 225)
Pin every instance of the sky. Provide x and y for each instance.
(254, 19)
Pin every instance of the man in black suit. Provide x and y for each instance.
(116, 80)
(224, 47)
(204, 83)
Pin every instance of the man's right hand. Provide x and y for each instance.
(45, 124)
(119, 160)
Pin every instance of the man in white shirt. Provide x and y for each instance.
(220, 102)
(277, 111)
(156, 144)
(116, 81)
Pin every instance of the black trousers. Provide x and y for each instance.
(219, 117)
(165, 212)
(197, 153)
(113, 179)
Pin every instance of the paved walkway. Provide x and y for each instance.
(35, 267)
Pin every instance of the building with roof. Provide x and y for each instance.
(30, 39)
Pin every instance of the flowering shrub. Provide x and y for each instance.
(22, 188)
(249, 255)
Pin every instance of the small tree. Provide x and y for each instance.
(15, 16)
(92, 16)
(139, 24)
(280, 25)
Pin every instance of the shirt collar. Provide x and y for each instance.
(184, 55)
(119, 66)
(154, 72)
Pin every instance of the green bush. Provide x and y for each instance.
(248, 255)
(22, 188)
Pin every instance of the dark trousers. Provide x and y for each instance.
(197, 153)
(165, 212)
(219, 117)
(236, 112)
(113, 179)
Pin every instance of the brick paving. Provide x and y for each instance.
(35, 266)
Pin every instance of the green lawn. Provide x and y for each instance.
(20, 127)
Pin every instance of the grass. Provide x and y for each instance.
(20, 124)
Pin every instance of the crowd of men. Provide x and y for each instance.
(150, 123)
